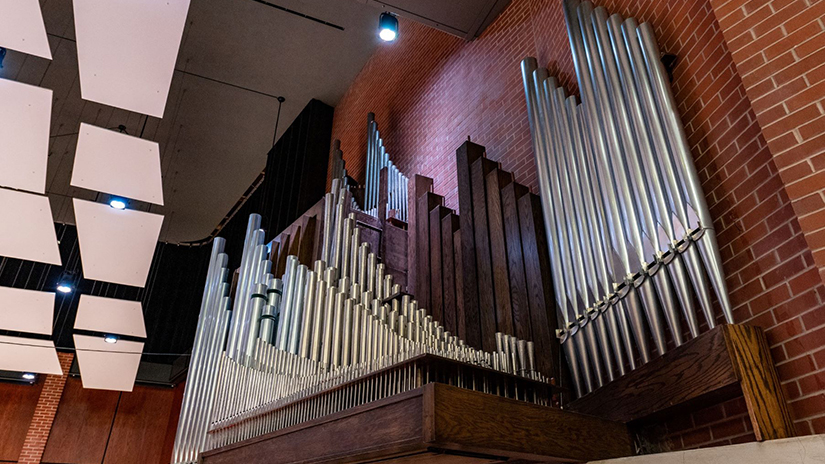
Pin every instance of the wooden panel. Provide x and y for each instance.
(486, 295)
(294, 246)
(466, 155)
(515, 261)
(395, 253)
(460, 317)
(496, 180)
(81, 426)
(16, 410)
(449, 226)
(281, 265)
(383, 197)
(683, 376)
(417, 187)
(539, 286)
(471, 421)
(382, 428)
(307, 246)
(172, 424)
(140, 426)
(436, 268)
(424, 205)
(763, 393)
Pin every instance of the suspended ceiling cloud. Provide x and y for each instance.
(111, 162)
(26, 310)
(25, 114)
(111, 316)
(127, 51)
(107, 366)
(26, 228)
(28, 355)
(21, 28)
(116, 245)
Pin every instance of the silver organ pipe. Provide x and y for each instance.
(630, 236)
(397, 182)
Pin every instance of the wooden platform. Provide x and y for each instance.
(437, 424)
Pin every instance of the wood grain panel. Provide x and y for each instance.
(17, 403)
(82, 425)
(140, 426)
(486, 293)
(449, 226)
(763, 393)
(497, 180)
(515, 260)
(436, 267)
(281, 267)
(295, 245)
(418, 187)
(424, 205)
(460, 316)
(307, 246)
(467, 154)
(539, 286)
(467, 420)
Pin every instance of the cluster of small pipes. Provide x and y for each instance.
(630, 234)
(397, 182)
(318, 341)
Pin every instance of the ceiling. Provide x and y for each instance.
(236, 57)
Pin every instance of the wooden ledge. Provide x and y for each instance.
(726, 362)
(437, 424)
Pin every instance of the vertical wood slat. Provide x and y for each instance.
(515, 260)
(486, 292)
(424, 205)
(449, 226)
(540, 289)
(383, 197)
(418, 186)
(294, 246)
(282, 256)
(495, 181)
(436, 268)
(307, 245)
(460, 318)
(466, 155)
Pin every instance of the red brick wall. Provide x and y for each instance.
(44, 413)
(430, 91)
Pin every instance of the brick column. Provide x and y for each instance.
(44, 413)
(778, 47)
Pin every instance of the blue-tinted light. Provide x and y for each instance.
(29, 376)
(387, 27)
(117, 204)
(110, 339)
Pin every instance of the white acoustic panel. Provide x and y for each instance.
(111, 162)
(107, 366)
(116, 245)
(28, 355)
(26, 228)
(22, 29)
(127, 51)
(25, 115)
(110, 315)
(26, 310)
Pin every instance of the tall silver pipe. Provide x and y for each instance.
(243, 282)
(296, 311)
(309, 314)
(290, 279)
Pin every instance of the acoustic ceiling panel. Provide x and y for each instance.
(28, 355)
(107, 366)
(111, 162)
(26, 228)
(127, 51)
(22, 29)
(116, 245)
(111, 316)
(26, 310)
(25, 115)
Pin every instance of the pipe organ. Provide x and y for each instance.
(629, 231)
(397, 183)
(323, 339)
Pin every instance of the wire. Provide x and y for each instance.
(281, 101)
(67, 348)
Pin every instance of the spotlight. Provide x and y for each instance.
(117, 204)
(64, 288)
(387, 27)
(29, 376)
(110, 339)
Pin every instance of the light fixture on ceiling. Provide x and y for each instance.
(387, 27)
(110, 339)
(29, 376)
(117, 203)
(64, 287)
